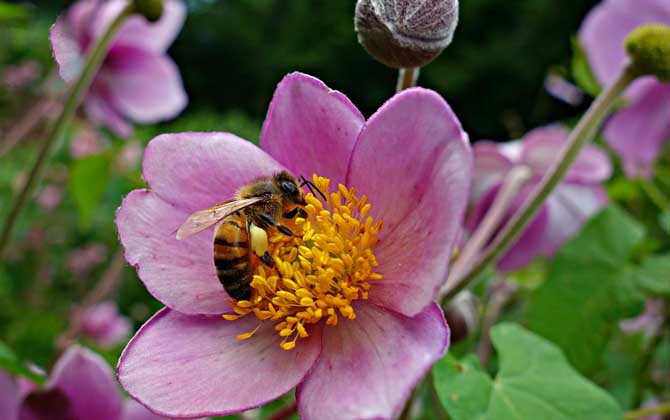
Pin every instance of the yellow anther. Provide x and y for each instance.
(320, 271)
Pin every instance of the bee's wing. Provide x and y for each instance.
(201, 220)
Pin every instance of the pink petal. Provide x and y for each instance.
(569, 206)
(79, 19)
(529, 243)
(132, 410)
(180, 274)
(88, 382)
(542, 146)
(413, 161)
(100, 110)
(490, 167)
(143, 85)
(311, 128)
(10, 396)
(369, 366)
(638, 131)
(194, 171)
(66, 50)
(190, 366)
(603, 31)
(137, 31)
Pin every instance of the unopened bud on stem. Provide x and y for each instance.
(649, 49)
(150, 9)
(405, 33)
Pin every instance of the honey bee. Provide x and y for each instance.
(243, 223)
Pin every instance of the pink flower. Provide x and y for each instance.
(412, 162)
(137, 81)
(638, 131)
(572, 202)
(16, 77)
(50, 197)
(81, 387)
(103, 324)
(86, 142)
(649, 321)
(84, 259)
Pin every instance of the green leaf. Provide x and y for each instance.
(535, 381)
(581, 70)
(13, 11)
(589, 288)
(12, 364)
(664, 220)
(654, 274)
(88, 180)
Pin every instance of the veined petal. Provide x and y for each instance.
(604, 30)
(137, 31)
(179, 273)
(413, 161)
(637, 132)
(132, 410)
(490, 168)
(568, 207)
(88, 382)
(143, 85)
(66, 50)
(311, 128)
(542, 146)
(194, 171)
(190, 366)
(369, 366)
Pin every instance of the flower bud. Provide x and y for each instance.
(150, 9)
(405, 33)
(649, 49)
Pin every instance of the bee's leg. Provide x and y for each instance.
(267, 260)
(298, 211)
(272, 222)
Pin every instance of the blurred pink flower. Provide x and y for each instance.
(649, 321)
(85, 142)
(16, 77)
(563, 90)
(81, 387)
(638, 131)
(130, 155)
(137, 80)
(572, 202)
(411, 160)
(84, 259)
(103, 324)
(50, 197)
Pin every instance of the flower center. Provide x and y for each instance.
(319, 271)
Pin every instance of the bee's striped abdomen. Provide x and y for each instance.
(231, 256)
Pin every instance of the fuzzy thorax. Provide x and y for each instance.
(320, 271)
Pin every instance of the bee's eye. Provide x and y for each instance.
(288, 187)
(267, 195)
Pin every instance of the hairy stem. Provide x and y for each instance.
(407, 78)
(648, 411)
(581, 134)
(70, 105)
(514, 181)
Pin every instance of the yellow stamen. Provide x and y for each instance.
(319, 271)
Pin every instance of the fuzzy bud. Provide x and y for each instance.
(405, 33)
(649, 49)
(150, 9)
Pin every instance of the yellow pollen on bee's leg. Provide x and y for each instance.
(319, 272)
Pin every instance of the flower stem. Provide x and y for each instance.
(647, 411)
(73, 100)
(581, 134)
(407, 78)
(655, 194)
(513, 182)
(285, 412)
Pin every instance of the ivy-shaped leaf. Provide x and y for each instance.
(535, 381)
(588, 289)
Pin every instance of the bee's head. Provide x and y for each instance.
(289, 188)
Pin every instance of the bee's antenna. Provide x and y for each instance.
(311, 185)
